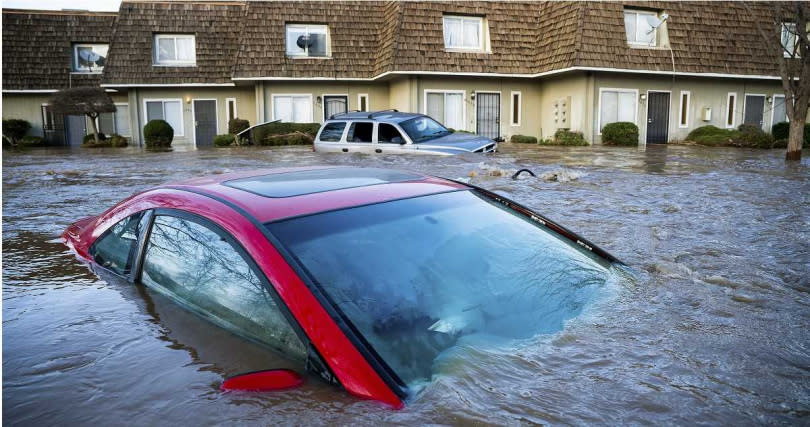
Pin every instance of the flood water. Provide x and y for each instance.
(714, 328)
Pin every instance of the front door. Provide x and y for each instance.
(657, 117)
(488, 115)
(75, 130)
(334, 105)
(754, 110)
(205, 122)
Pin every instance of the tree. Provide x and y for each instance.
(90, 101)
(785, 32)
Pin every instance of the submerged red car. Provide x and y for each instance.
(364, 276)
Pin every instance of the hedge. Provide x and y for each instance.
(158, 134)
(523, 139)
(569, 138)
(749, 136)
(224, 140)
(237, 125)
(284, 133)
(294, 138)
(620, 133)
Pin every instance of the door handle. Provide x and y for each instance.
(345, 150)
(378, 150)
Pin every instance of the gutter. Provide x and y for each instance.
(168, 85)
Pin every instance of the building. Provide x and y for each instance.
(496, 68)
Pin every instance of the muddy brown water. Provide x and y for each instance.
(715, 327)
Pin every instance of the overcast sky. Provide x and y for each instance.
(102, 5)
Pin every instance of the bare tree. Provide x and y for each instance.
(90, 101)
(785, 31)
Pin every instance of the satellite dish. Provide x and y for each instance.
(89, 56)
(655, 21)
(304, 41)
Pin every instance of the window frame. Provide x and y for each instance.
(115, 115)
(683, 119)
(731, 110)
(306, 54)
(773, 103)
(134, 255)
(292, 95)
(444, 93)
(350, 123)
(173, 62)
(228, 102)
(360, 97)
(599, 105)
(764, 106)
(342, 138)
(639, 13)
(482, 45)
(794, 33)
(85, 70)
(512, 121)
(163, 101)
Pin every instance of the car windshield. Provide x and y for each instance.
(418, 276)
(421, 129)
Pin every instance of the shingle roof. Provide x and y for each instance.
(216, 26)
(37, 47)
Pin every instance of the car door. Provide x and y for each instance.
(330, 139)
(360, 138)
(390, 139)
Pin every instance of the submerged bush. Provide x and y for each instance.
(260, 134)
(569, 138)
(294, 138)
(32, 141)
(89, 137)
(224, 140)
(158, 134)
(237, 125)
(620, 133)
(780, 130)
(712, 136)
(523, 139)
(752, 136)
(117, 140)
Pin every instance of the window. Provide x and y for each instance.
(115, 249)
(516, 107)
(307, 40)
(421, 129)
(332, 132)
(731, 109)
(617, 105)
(360, 132)
(292, 108)
(175, 49)
(446, 107)
(362, 102)
(170, 110)
(779, 110)
(388, 134)
(116, 122)
(638, 25)
(89, 57)
(231, 104)
(683, 110)
(205, 272)
(790, 40)
(463, 32)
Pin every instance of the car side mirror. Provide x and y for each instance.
(269, 380)
(398, 140)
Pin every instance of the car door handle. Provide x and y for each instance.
(345, 150)
(378, 150)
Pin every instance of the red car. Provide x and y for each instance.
(365, 276)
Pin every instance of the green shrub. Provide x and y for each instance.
(752, 136)
(15, 129)
(260, 134)
(237, 125)
(32, 141)
(295, 138)
(523, 139)
(620, 133)
(224, 140)
(116, 140)
(568, 137)
(806, 134)
(780, 130)
(713, 136)
(158, 134)
(89, 137)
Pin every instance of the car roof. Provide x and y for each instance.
(389, 116)
(274, 194)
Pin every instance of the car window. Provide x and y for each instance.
(115, 249)
(332, 132)
(389, 134)
(423, 128)
(201, 270)
(360, 132)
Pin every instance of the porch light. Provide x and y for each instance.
(643, 96)
(318, 99)
(188, 99)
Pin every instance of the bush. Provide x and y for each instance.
(224, 140)
(712, 136)
(806, 134)
(260, 134)
(523, 139)
(158, 134)
(752, 136)
(620, 133)
(15, 129)
(570, 138)
(32, 141)
(89, 137)
(780, 130)
(295, 138)
(116, 140)
(237, 125)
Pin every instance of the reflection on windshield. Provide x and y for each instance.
(423, 128)
(415, 276)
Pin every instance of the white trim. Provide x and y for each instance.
(173, 62)
(168, 85)
(681, 123)
(745, 106)
(545, 73)
(361, 96)
(773, 103)
(273, 104)
(182, 116)
(323, 102)
(599, 106)
(194, 118)
(445, 92)
(500, 108)
(512, 121)
(228, 110)
(30, 90)
(731, 110)
(647, 111)
(481, 43)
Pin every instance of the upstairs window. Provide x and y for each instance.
(89, 58)
(790, 40)
(640, 27)
(464, 32)
(307, 40)
(175, 49)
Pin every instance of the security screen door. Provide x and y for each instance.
(754, 110)
(205, 122)
(334, 105)
(657, 117)
(488, 114)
